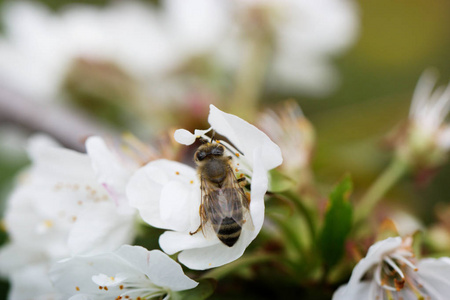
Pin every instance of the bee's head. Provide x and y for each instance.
(209, 150)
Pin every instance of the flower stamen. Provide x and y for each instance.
(394, 266)
(405, 261)
(415, 289)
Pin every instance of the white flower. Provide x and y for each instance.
(305, 35)
(390, 271)
(429, 109)
(32, 282)
(428, 136)
(131, 272)
(58, 208)
(112, 169)
(167, 193)
(290, 129)
(39, 46)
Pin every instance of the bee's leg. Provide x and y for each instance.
(242, 181)
(201, 212)
(248, 198)
(198, 229)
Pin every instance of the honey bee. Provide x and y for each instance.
(224, 204)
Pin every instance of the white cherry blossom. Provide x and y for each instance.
(390, 271)
(429, 109)
(167, 193)
(305, 35)
(427, 137)
(38, 46)
(292, 131)
(112, 169)
(32, 283)
(131, 272)
(59, 208)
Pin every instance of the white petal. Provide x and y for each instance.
(105, 280)
(14, 256)
(259, 187)
(435, 275)
(81, 297)
(373, 257)
(422, 92)
(172, 242)
(174, 203)
(245, 137)
(100, 228)
(53, 162)
(360, 291)
(110, 170)
(217, 254)
(160, 268)
(78, 271)
(184, 137)
(38, 142)
(443, 137)
(147, 188)
(32, 282)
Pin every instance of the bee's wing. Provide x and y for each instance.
(206, 209)
(228, 201)
(239, 199)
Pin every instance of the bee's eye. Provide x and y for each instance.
(200, 155)
(217, 151)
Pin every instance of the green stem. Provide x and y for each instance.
(291, 235)
(304, 210)
(396, 169)
(250, 78)
(244, 261)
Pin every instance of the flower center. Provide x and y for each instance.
(398, 272)
(131, 288)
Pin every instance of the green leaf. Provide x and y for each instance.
(280, 182)
(203, 290)
(337, 223)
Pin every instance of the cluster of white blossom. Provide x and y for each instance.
(71, 220)
(72, 217)
(149, 42)
(70, 212)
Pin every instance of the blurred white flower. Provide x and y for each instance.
(13, 142)
(406, 223)
(429, 110)
(290, 130)
(428, 136)
(58, 208)
(304, 36)
(112, 169)
(131, 272)
(39, 46)
(390, 271)
(167, 193)
(32, 283)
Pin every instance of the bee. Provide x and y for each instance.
(224, 204)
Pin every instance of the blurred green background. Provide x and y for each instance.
(398, 40)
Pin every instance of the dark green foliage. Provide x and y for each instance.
(337, 223)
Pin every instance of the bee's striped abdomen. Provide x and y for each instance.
(228, 231)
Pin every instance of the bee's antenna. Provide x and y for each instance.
(212, 136)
